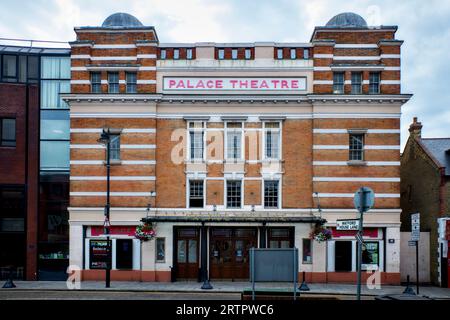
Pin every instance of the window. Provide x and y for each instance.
(233, 194)
(113, 82)
(160, 249)
(176, 54)
(221, 54)
(370, 254)
(124, 253)
(55, 125)
(114, 147)
(234, 140)
(55, 155)
(189, 54)
(272, 140)
(338, 82)
(280, 53)
(305, 53)
(271, 194)
(55, 67)
(234, 54)
(163, 54)
(307, 251)
(33, 69)
(131, 82)
(196, 140)
(374, 82)
(293, 53)
(50, 94)
(248, 54)
(195, 194)
(96, 82)
(8, 132)
(356, 147)
(281, 238)
(356, 82)
(9, 68)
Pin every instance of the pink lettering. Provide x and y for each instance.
(264, 85)
(172, 83)
(275, 83)
(181, 85)
(254, 84)
(200, 84)
(219, 84)
(210, 84)
(294, 84)
(284, 84)
(190, 85)
(243, 84)
(233, 83)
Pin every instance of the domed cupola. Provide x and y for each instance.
(347, 20)
(121, 20)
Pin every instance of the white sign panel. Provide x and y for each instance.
(347, 224)
(415, 227)
(234, 84)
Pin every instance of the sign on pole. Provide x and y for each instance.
(415, 227)
(347, 224)
(364, 199)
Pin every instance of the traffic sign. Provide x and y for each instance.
(347, 224)
(364, 199)
(415, 227)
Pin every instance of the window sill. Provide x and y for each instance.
(113, 162)
(357, 163)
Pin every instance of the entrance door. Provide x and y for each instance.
(229, 252)
(186, 253)
(343, 256)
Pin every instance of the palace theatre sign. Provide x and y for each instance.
(266, 84)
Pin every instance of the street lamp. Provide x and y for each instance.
(105, 138)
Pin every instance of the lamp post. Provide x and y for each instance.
(105, 138)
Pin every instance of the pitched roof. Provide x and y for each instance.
(439, 149)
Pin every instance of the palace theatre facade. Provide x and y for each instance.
(227, 146)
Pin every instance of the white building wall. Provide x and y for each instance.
(392, 250)
(76, 245)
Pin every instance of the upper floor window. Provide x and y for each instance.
(272, 140)
(189, 54)
(234, 140)
(271, 188)
(196, 194)
(248, 54)
(114, 147)
(96, 82)
(338, 82)
(176, 54)
(113, 82)
(374, 82)
(356, 82)
(7, 132)
(234, 195)
(356, 146)
(163, 54)
(280, 53)
(293, 53)
(9, 68)
(234, 54)
(131, 82)
(221, 54)
(305, 53)
(19, 68)
(196, 134)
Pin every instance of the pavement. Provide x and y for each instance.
(221, 289)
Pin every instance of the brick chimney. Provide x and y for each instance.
(415, 129)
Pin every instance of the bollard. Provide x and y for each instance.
(303, 286)
(408, 289)
(9, 283)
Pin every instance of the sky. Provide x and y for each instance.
(423, 25)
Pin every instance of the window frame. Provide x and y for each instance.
(220, 54)
(163, 54)
(234, 54)
(293, 53)
(114, 149)
(189, 54)
(356, 84)
(228, 200)
(277, 181)
(2, 140)
(131, 87)
(96, 84)
(305, 261)
(371, 83)
(353, 151)
(241, 148)
(338, 87)
(113, 84)
(163, 239)
(203, 185)
(177, 57)
(249, 51)
(280, 53)
(306, 54)
(279, 142)
(195, 130)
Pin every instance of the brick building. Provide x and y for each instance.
(227, 146)
(34, 163)
(425, 188)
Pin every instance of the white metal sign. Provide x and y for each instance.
(347, 224)
(415, 227)
(234, 84)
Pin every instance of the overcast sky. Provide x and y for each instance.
(423, 25)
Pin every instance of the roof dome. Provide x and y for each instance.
(121, 20)
(347, 20)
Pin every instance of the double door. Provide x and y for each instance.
(187, 253)
(229, 252)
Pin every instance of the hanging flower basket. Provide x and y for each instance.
(321, 234)
(145, 232)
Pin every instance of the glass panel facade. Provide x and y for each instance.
(55, 125)
(50, 90)
(55, 155)
(55, 67)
